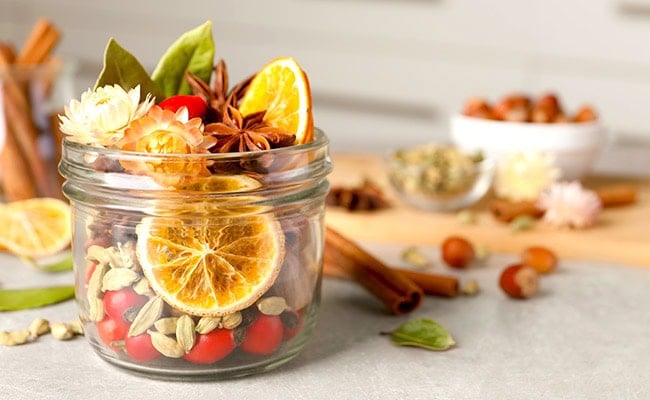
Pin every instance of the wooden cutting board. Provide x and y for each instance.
(622, 235)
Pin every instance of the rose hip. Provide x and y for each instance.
(519, 281)
(211, 347)
(540, 258)
(264, 335)
(140, 348)
(457, 252)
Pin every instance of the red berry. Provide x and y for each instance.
(111, 330)
(140, 348)
(519, 281)
(211, 347)
(196, 105)
(457, 252)
(264, 335)
(118, 302)
(293, 322)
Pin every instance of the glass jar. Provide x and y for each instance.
(203, 276)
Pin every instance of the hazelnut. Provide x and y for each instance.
(519, 281)
(540, 258)
(457, 252)
(478, 108)
(547, 109)
(585, 114)
(514, 108)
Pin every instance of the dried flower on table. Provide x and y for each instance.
(365, 197)
(525, 175)
(570, 205)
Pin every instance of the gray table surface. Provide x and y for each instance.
(586, 336)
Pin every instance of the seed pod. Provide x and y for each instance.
(273, 305)
(14, 338)
(76, 327)
(166, 326)
(185, 333)
(208, 324)
(38, 327)
(118, 278)
(95, 304)
(147, 316)
(166, 345)
(470, 288)
(61, 331)
(231, 321)
(142, 288)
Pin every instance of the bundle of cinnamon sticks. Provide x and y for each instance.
(25, 172)
(400, 290)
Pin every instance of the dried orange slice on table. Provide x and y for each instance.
(210, 266)
(282, 89)
(35, 228)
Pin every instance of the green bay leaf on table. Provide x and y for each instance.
(22, 299)
(193, 51)
(423, 333)
(122, 68)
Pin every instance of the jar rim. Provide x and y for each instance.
(320, 140)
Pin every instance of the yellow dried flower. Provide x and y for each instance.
(102, 115)
(525, 175)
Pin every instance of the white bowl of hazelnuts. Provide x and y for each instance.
(519, 123)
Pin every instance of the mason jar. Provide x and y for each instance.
(205, 275)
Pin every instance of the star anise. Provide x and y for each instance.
(218, 96)
(246, 133)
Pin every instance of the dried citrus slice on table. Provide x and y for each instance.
(282, 89)
(35, 228)
(210, 266)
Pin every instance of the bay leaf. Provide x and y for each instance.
(423, 333)
(122, 68)
(193, 51)
(22, 299)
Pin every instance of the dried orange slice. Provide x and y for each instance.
(282, 89)
(213, 265)
(35, 228)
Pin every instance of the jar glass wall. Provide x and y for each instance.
(180, 274)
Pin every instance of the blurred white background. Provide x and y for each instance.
(386, 73)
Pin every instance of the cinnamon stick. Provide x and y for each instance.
(39, 44)
(506, 211)
(432, 284)
(16, 178)
(617, 195)
(400, 294)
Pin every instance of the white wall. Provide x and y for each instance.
(388, 72)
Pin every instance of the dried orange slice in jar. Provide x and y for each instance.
(282, 89)
(34, 228)
(212, 265)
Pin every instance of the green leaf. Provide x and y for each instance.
(58, 265)
(122, 68)
(423, 333)
(193, 51)
(21, 299)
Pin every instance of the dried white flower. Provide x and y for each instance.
(568, 204)
(103, 114)
(525, 175)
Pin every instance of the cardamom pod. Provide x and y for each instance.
(166, 326)
(142, 288)
(97, 253)
(76, 327)
(185, 334)
(95, 304)
(523, 223)
(147, 316)
(208, 324)
(38, 327)
(61, 331)
(166, 345)
(273, 305)
(470, 288)
(118, 278)
(14, 338)
(231, 321)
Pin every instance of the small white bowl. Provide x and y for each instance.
(575, 146)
